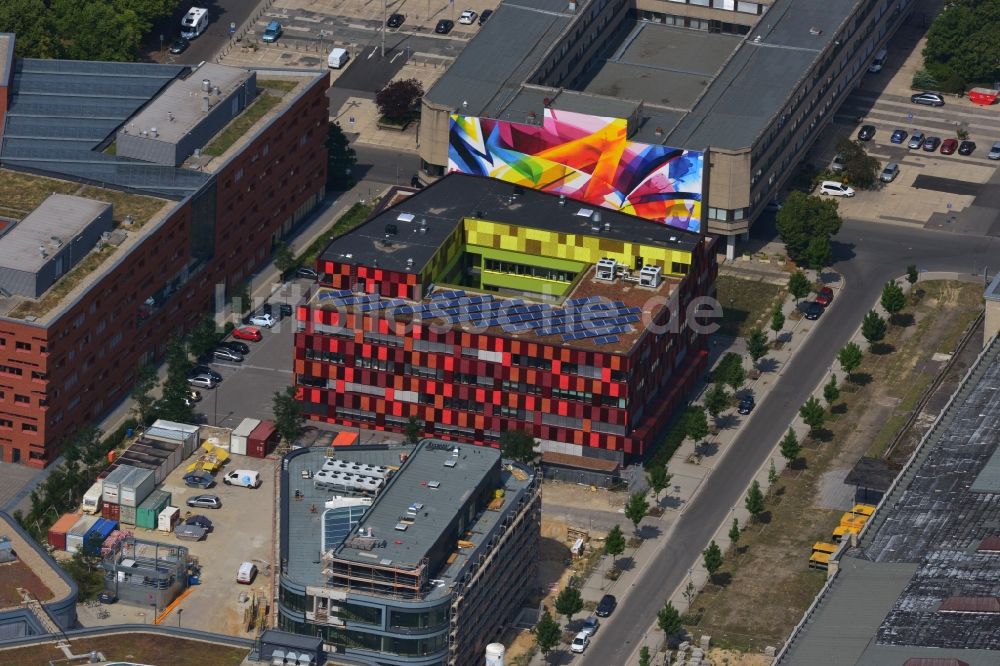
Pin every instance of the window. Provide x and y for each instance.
(679, 268)
(22, 399)
(29, 427)
(22, 346)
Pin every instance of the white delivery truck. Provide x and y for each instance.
(92, 499)
(247, 478)
(337, 58)
(194, 22)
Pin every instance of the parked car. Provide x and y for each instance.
(966, 147)
(265, 320)
(247, 478)
(866, 133)
(179, 45)
(251, 333)
(928, 99)
(305, 272)
(205, 370)
(606, 606)
(837, 165)
(444, 26)
(747, 403)
(199, 479)
(773, 206)
(236, 346)
(824, 296)
(246, 574)
(202, 381)
(580, 642)
(395, 20)
(485, 16)
(835, 189)
(227, 354)
(200, 521)
(107, 598)
(590, 625)
(194, 396)
(994, 153)
(205, 501)
(889, 173)
(898, 136)
(949, 146)
(813, 310)
(916, 140)
(468, 17)
(272, 32)
(931, 143)
(285, 310)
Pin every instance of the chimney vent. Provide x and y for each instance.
(205, 106)
(170, 116)
(206, 85)
(153, 131)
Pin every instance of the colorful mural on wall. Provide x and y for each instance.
(587, 158)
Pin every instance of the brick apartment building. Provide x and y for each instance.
(190, 214)
(476, 307)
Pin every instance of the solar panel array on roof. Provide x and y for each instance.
(61, 110)
(592, 318)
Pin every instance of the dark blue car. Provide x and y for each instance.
(898, 136)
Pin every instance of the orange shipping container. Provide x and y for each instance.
(57, 533)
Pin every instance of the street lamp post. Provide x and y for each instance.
(179, 611)
(384, 9)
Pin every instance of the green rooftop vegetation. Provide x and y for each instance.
(21, 193)
(277, 85)
(234, 130)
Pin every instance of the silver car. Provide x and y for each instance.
(994, 153)
(889, 173)
(205, 502)
(916, 140)
(226, 354)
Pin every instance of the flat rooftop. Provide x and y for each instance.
(993, 290)
(177, 109)
(933, 522)
(59, 216)
(424, 464)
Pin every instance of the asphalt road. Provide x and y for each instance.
(392, 167)
(867, 256)
(220, 14)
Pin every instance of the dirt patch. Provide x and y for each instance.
(582, 497)
(722, 657)
(138, 647)
(756, 603)
(17, 574)
(745, 304)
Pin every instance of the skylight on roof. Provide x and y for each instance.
(405, 217)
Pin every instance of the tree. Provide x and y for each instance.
(813, 415)
(695, 423)
(413, 430)
(756, 345)
(911, 274)
(849, 358)
(204, 338)
(754, 501)
(727, 366)
(737, 375)
(668, 619)
(716, 400)
(341, 158)
(636, 509)
(644, 656)
(397, 101)
(893, 299)
(734, 530)
(288, 414)
(145, 382)
(873, 328)
(798, 285)
(518, 445)
(961, 46)
(547, 633)
(712, 559)
(172, 405)
(658, 478)
(569, 602)
(790, 447)
(32, 22)
(830, 392)
(772, 474)
(83, 28)
(806, 224)
(614, 543)
(860, 169)
(777, 321)
(284, 260)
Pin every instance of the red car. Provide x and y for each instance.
(824, 296)
(948, 146)
(251, 333)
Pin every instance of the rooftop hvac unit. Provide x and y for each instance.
(650, 276)
(606, 270)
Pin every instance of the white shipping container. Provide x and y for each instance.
(167, 518)
(92, 498)
(136, 487)
(238, 440)
(112, 482)
(74, 537)
(171, 431)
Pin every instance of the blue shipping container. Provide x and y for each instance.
(95, 536)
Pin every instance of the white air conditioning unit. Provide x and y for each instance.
(650, 276)
(606, 270)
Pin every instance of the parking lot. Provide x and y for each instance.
(950, 192)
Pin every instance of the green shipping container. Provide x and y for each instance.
(146, 514)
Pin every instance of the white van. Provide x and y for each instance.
(246, 574)
(878, 62)
(337, 58)
(247, 478)
(92, 499)
(194, 22)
